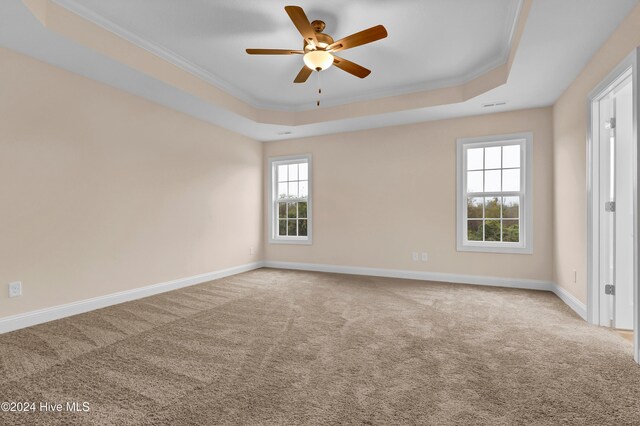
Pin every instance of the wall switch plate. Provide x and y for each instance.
(424, 257)
(414, 256)
(15, 289)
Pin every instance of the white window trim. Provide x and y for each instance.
(525, 246)
(273, 163)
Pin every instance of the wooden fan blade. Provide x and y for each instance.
(302, 23)
(303, 75)
(274, 52)
(358, 39)
(351, 67)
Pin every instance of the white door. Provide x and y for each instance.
(616, 206)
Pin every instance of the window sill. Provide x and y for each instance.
(495, 249)
(299, 241)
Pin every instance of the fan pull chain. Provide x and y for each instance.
(319, 90)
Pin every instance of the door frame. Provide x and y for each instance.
(593, 195)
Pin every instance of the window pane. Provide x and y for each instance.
(303, 171)
(492, 157)
(302, 227)
(303, 189)
(510, 156)
(492, 208)
(474, 230)
(282, 190)
(511, 180)
(474, 159)
(492, 230)
(474, 207)
(302, 210)
(494, 186)
(492, 181)
(291, 195)
(511, 207)
(282, 173)
(511, 231)
(293, 172)
(293, 189)
(292, 210)
(474, 181)
(291, 228)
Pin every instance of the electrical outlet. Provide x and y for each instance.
(251, 251)
(424, 257)
(414, 256)
(15, 289)
(575, 276)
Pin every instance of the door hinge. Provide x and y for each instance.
(610, 206)
(611, 124)
(610, 289)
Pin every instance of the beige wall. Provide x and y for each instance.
(570, 135)
(399, 186)
(101, 191)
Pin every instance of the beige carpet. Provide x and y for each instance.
(284, 347)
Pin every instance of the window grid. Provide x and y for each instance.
(292, 218)
(505, 235)
(491, 167)
(501, 218)
(290, 205)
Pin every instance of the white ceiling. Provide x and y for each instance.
(559, 39)
(431, 44)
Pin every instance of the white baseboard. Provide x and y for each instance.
(40, 316)
(417, 275)
(571, 301)
(565, 296)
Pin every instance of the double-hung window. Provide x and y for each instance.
(290, 200)
(494, 211)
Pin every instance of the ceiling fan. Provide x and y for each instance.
(319, 48)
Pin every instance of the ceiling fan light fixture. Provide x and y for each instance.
(318, 60)
(318, 48)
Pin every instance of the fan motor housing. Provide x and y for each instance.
(319, 26)
(322, 38)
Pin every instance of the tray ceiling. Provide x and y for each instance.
(431, 44)
(553, 42)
